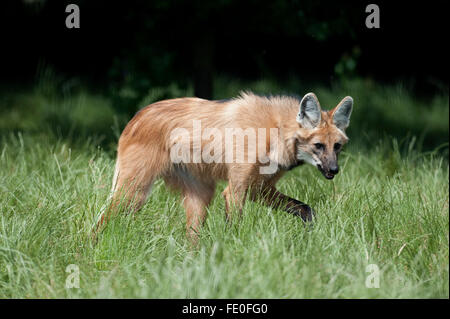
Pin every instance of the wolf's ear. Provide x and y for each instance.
(342, 112)
(309, 115)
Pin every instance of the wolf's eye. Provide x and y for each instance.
(337, 146)
(319, 146)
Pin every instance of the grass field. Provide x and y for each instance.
(389, 206)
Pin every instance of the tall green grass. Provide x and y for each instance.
(388, 206)
(392, 212)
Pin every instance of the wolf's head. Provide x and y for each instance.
(321, 134)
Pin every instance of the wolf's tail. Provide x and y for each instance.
(111, 194)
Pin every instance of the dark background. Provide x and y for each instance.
(88, 82)
(193, 41)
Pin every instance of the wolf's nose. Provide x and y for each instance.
(334, 170)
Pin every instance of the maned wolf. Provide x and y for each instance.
(191, 143)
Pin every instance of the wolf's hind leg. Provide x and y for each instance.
(130, 195)
(132, 183)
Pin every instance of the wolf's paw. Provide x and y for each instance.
(307, 213)
(302, 210)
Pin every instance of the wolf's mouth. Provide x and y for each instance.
(328, 175)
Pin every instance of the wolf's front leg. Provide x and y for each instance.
(273, 198)
(234, 201)
(236, 192)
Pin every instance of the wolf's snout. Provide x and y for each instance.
(334, 170)
(329, 172)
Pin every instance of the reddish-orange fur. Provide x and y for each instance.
(144, 153)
